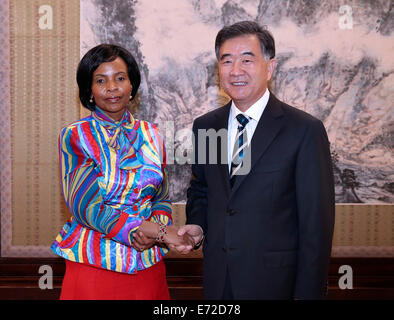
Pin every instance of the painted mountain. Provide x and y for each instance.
(334, 61)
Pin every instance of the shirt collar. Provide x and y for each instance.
(127, 128)
(127, 119)
(255, 110)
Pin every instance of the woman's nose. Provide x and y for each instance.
(111, 85)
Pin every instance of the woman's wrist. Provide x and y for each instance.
(149, 229)
(162, 232)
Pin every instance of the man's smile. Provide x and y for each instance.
(239, 83)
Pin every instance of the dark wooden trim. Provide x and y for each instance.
(373, 278)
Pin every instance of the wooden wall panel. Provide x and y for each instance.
(373, 278)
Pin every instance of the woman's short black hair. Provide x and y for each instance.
(242, 28)
(91, 61)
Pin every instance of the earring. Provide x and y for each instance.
(91, 100)
(131, 97)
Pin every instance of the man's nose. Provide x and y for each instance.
(236, 68)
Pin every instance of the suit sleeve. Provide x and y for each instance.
(197, 203)
(82, 192)
(316, 212)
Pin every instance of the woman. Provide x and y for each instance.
(114, 181)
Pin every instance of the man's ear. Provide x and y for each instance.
(271, 67)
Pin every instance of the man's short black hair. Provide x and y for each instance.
(243, 28)
(91, 61)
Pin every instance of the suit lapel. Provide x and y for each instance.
(268, 127)
(222, 123)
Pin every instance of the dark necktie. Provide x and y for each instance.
(241, 143)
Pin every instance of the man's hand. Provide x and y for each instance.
(181, 239)
(175, 241)
(191, 230)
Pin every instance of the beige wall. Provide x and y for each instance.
(39, 97)
(42, 99)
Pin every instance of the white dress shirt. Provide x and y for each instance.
(253, 114)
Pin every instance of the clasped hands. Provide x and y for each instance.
(181, 239)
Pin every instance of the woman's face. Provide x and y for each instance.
(111, 88)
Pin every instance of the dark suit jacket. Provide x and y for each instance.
(272, 230)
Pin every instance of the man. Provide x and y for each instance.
(268, 231)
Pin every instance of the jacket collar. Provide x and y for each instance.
(268, 127)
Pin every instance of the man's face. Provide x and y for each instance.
(243, 71)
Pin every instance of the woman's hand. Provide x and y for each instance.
(145, 238)
(141, 242)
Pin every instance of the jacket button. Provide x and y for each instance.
(231, 212)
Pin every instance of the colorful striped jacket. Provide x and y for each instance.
(113, 177)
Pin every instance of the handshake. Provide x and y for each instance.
(181, 239)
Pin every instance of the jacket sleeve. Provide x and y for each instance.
(197, 200)
(316, 212)
(161, 204)
(82, 192)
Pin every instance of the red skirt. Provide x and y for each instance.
(84, 282)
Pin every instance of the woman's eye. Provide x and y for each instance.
(100, 81)
(121, 78)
